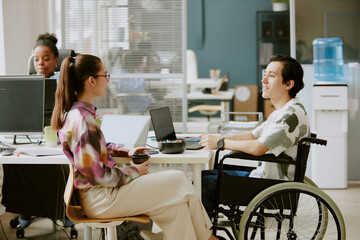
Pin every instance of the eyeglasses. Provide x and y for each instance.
(103, 75)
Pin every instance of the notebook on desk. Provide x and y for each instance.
(41, 152)
(164, 128)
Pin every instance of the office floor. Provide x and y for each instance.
(348, 201)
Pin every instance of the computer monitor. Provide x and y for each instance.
(50, 89)
(21, 104)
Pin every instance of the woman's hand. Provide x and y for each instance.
(209, 141)
(138, 150)
(142, 168)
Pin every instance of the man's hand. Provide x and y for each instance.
(209, 141)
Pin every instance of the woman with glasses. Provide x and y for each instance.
(107, 191)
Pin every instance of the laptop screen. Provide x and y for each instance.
(162, 124)
(126, 130)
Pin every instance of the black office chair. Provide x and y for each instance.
(260, 208)
(63, 53)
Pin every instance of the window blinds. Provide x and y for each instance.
(142, 44)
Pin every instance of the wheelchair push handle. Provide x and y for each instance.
(313, 140)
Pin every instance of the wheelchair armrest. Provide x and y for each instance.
(282, 158)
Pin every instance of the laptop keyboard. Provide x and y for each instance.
(193, 146)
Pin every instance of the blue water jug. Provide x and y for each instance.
(328, 59)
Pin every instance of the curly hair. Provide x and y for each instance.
(48, 40)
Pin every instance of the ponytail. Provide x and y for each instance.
(73, 73)
(65, 94)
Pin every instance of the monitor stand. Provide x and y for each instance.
(30, 141)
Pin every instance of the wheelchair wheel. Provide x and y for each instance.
(309, 181)
(322, 224)
(292, 211)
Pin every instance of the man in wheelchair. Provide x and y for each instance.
(271, 201)
(280, 133)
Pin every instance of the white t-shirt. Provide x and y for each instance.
(281, 133)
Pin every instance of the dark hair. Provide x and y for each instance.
(292, 70)
(48, 40)
(73, 73)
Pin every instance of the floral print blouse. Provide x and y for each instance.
(84, 145)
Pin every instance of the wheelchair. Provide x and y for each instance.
(260, 208)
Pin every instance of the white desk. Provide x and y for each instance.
(194, 157)
(25, 159)
(202, 83)
(224, 96)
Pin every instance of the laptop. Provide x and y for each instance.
(128, 131)
(164, 128)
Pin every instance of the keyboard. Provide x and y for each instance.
(6, 149)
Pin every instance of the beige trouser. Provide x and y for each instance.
(167, 197)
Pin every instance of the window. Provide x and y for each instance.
(142, 44)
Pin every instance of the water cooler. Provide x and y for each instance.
(329, 106)
(330, 121)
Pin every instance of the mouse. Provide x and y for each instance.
(6, 152)
(151, 152)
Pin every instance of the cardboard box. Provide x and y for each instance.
(268, 108)
(246, 100)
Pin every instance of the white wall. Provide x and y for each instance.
(305, 98)
(23, 21)
(2, 49)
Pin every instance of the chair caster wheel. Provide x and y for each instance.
(73, 233)
(20, 233)
(14, 222)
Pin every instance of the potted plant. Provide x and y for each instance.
(280, 5)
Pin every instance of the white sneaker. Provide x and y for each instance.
(147, 235)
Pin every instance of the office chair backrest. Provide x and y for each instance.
(191, 66)
(69, 185)
(63, 53)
